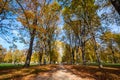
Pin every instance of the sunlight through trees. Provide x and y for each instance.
(83, 38)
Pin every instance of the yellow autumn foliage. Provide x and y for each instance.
(23, 21)
(29, 14)
(3, 6)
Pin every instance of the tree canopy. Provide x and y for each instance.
(60, 31)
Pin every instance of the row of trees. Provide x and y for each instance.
(108, 50)
(36, 17)
(40, 20)
(87, 39)
(10, 56)
(84, 33)
(19, 56)
(81, 25)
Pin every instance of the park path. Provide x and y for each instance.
(60, 74)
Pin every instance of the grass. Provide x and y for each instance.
(12, 66)
(114, 65)
(9, 65)
(117, 65)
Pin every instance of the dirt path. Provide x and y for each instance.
(60, 74)
(64, 75)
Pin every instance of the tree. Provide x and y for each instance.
(36, 17)
(116, 4)
(49, 25)
(7, 21)
(108, 13)
(29, 18)
(117, 39)
(81, 17)
(17, 56)
(70, 39)
(2, 52)
(111, 42)
(66, 57)
(4, 7)
(8, 57)
(35, 57)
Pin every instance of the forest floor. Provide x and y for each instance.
(60, 72)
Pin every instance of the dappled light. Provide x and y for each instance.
(59, 39)
(61, 72)
(24, 72)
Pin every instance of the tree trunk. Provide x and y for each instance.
(113, 53)
(83, 53)
(98, 57)
(114, 60)
(97, 54)
(71, 55)
(83, 34)
(49, 51)
(40, 57)
(28, 58)
(83, 56)
(73, 61)
(116, 4)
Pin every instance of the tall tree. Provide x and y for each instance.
(29, 18)
(8, 57)
(81, 17)
(116, 4)
(2, 52)
(37, 17)
(49, 22)
(110, 39)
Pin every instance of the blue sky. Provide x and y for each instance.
(21, 46)
(6, 38)
(24, 34)
(5, 44)
(111, 18)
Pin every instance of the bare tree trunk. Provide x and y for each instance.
(95, 50)
(49, 52)
(114, 60)
(83, 53)
(44, 54)
(72, 52)
(28, 58)
(40, 57)
(113, 53)
(71, 55)
(83, 34)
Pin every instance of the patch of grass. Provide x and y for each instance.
(117, 65)
(12, 66)
(9, 65)
(114, 65)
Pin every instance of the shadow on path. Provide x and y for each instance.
(60, 73)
